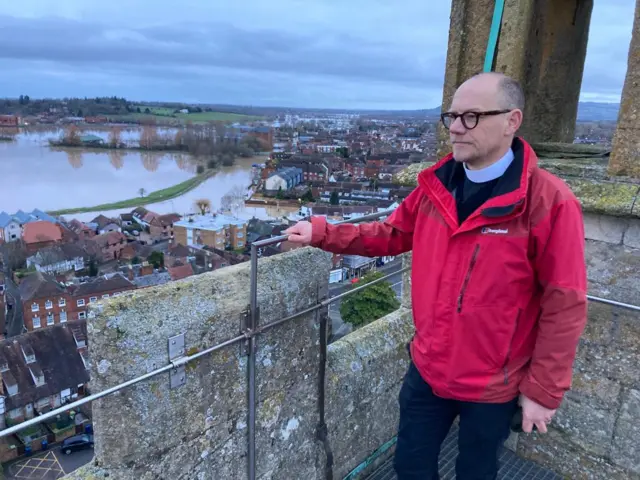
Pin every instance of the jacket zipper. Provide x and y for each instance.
(506, 362)
(467, 277)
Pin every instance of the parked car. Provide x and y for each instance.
(76, 443)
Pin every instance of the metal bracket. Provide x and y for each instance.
(178, 375)
(244, 327)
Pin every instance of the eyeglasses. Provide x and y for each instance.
(469, 119)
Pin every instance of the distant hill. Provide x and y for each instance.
(598, 112)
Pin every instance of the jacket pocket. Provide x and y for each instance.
(505, 368)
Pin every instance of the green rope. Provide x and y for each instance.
(493, 35)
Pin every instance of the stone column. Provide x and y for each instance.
(468, 37)
(542, 44)
(625, 157)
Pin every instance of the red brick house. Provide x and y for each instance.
(44, 301)
(85, 293)
(40, 234)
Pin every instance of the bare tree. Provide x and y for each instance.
(233, 200)
(14, 255)
(204, 205)
(71, 136)
(114, 137)
(149, 136)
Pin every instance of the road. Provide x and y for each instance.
(51, 465)
(338, 327)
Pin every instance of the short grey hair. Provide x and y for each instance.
(511, 94)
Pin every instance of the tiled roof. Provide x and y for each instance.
(101, 285)
(41, 231)
(180, 272)
(56, 358)
(39, 285)
(59, 253)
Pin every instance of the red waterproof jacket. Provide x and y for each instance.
(499, 301)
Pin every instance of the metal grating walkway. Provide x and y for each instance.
(512, 467)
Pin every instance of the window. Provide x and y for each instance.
(81, 302)
(240, 244)
(49, 318)
(35, 307)
(48, 304)
(82, 315)
(36, 322)
(63, 316)
(93, 299)
(62, 302)
(240, 235)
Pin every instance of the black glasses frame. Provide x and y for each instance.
(475, 116)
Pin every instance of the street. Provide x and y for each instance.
(339, 328)
(50, 465)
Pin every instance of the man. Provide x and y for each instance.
(498, 285)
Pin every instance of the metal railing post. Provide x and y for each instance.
(254, 317)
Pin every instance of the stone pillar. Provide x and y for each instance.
(552, 70)
(542, 44)
(625, 157)
(468, 36)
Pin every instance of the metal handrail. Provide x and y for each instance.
(249, 334)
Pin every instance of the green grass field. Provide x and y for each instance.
(162, 114)
(154, 197)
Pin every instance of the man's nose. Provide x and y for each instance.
(457, 127)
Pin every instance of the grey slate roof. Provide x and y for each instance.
(56, 356)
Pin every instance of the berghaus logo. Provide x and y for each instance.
(495, 231)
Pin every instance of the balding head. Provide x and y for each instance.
(493, 103)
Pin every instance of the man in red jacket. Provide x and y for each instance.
(498, 285)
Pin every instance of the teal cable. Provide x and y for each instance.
(493, 35)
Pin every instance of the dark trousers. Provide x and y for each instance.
(425, 421)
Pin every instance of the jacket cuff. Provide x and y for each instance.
(531, 389)
(318, 230)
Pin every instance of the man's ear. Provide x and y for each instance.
(514, 122)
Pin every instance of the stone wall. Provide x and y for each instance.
(199, 430)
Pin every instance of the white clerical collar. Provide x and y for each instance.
(493, 171)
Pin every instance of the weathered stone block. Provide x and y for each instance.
(604, 228)
(599, 324)
(588, 427)
(626, 444)
(554, 451)
(152, 431)
(364, 373)
(406, 280)
(632, 235)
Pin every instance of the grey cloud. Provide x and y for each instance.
(219, 45)
(353, 53)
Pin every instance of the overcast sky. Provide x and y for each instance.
(313, 53)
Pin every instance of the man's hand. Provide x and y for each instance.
(534, 414)
(299, 233)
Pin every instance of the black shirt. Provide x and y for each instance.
(470, 195)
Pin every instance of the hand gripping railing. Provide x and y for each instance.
(252, 331)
